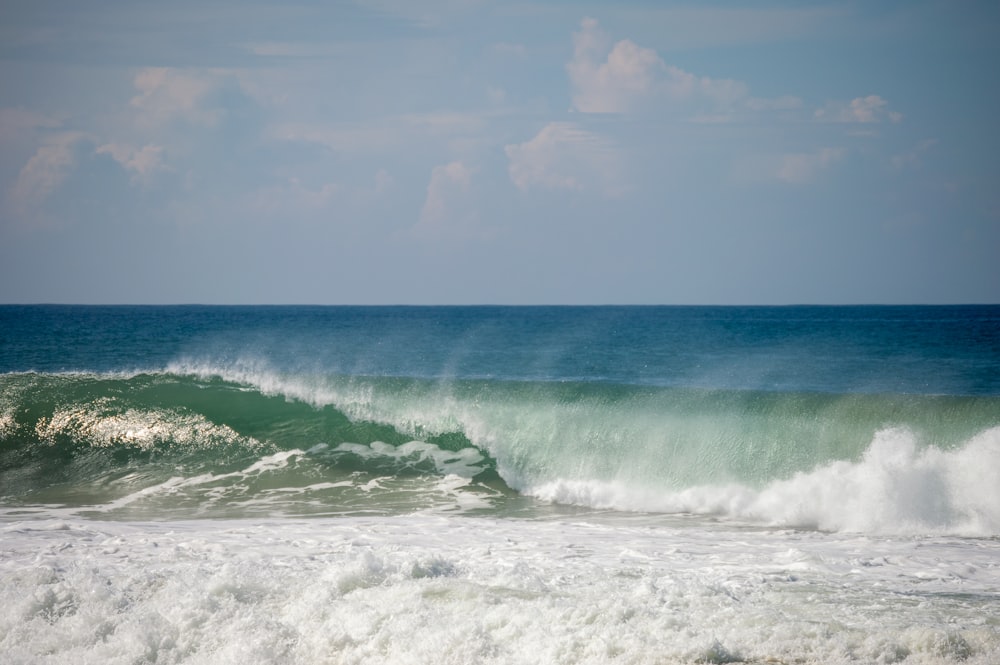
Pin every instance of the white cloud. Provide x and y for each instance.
(617, 84)
(444, 179)
(142, 163)
(564, 156)
(629, 77)
(46, 170)
(860, 109)
(448, 209)
(804, 166)
(166, 94)
(57, 157)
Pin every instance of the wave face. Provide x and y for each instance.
(882, 420)
(175, 442)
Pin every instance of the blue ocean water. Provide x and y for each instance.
(500, 485)
(891, 349)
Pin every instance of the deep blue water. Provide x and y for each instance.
(929, 350)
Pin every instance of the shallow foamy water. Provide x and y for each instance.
(444, 589)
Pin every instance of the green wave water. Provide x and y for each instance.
(210, 440)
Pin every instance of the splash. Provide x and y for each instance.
(896, 487)
(856, 463)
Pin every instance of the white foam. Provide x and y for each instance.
(431, 589)
(142, 428)
(465, 463)
(896, 487)
(354, 398)
(427, 409)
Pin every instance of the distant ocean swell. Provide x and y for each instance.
(241, 441)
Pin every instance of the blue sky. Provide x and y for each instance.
(468, 151)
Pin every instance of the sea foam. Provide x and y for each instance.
(434, 589)
(896, 487)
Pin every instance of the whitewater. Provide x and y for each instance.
(499, 484)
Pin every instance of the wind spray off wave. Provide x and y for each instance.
(856, 462)
(871, 463)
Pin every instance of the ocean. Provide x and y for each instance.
(297, 484)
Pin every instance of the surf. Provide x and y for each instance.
(174, 438)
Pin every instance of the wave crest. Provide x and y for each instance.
(865, 463)
(896, 487)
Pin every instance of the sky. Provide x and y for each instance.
(486, 152)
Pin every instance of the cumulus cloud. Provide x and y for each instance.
(804, 166)
(444, 179)
(166, 94)
(861, 109)
(447, 207)
(564, 156)
(618, 83)
(628, 76)
(61, 155)
(142, 162)
(52, 162)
